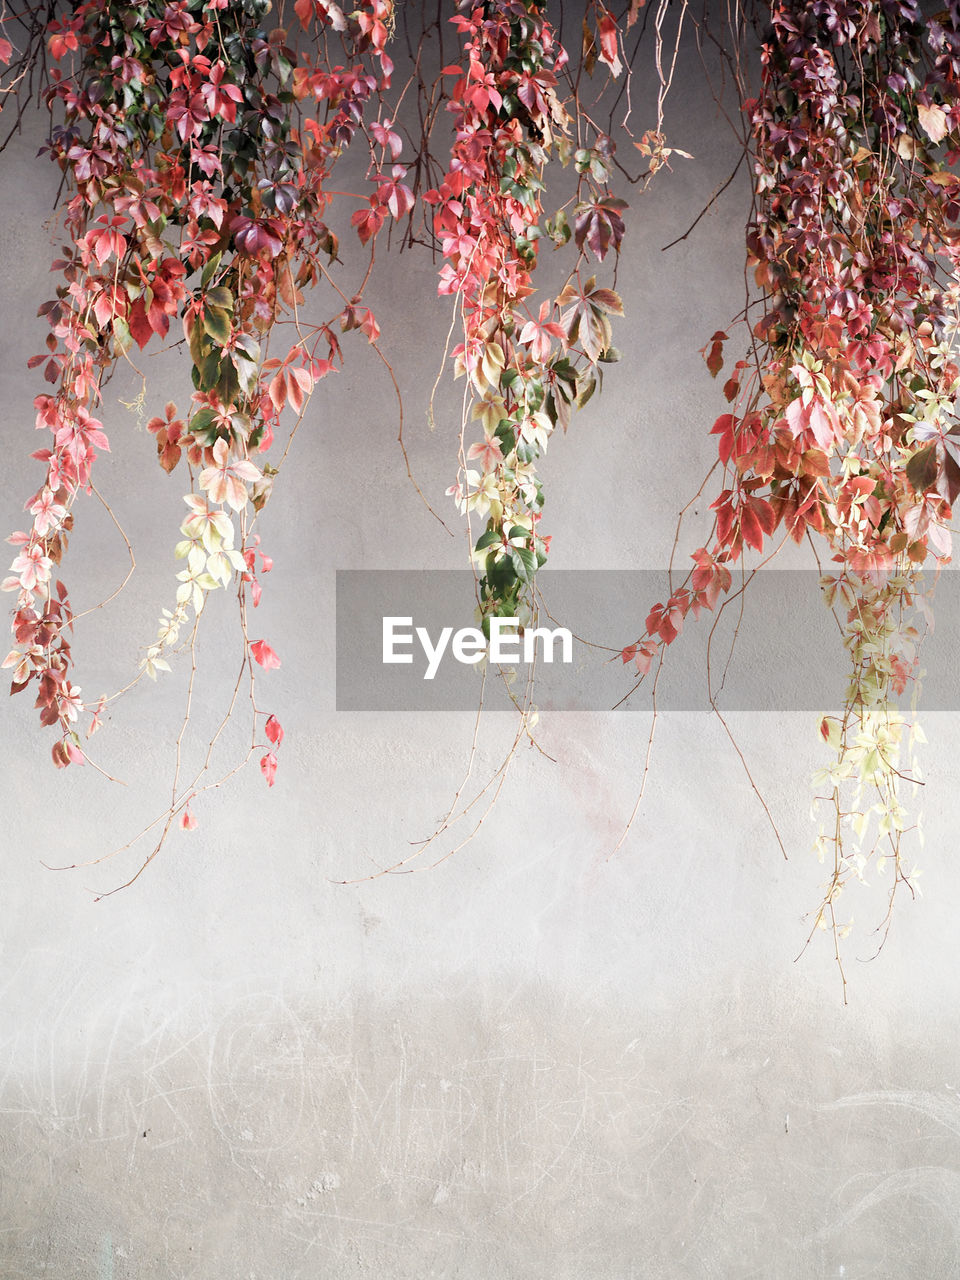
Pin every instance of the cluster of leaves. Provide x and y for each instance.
(196, 139)
(842, 426)
(526, 367)
(196, 146)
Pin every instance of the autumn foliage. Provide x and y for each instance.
(197, 140)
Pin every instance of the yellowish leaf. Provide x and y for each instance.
(933, 121)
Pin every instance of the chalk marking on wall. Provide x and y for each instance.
(230, 1057)
(944, 1111)
(935, 1185)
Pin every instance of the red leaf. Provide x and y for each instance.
(724, 509)
(268, 767)
(274, 731)
(750, 527)
(607, 30)
(666, 620)
(169, 455)
(815, 463)
(278, 389)
(141, 329)
(723, 427)
(295, 391)
(263, 654)
(714, 358)
(765, 514)
(368, 222)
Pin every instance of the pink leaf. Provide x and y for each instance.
(268, 767)
(303, 378)
(278, 390)
(263, 654)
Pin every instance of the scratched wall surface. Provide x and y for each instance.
(532, 1059)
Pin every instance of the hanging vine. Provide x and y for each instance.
(196, 142)
(842, 427)
(196, 148)
(516, 107)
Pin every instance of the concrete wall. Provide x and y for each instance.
(533, 1060)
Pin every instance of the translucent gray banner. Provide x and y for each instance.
(777, 648)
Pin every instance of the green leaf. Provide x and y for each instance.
(500, 573)
(525, 563)
(219, 297)
(210, 270)
(121, 334)
(565, 371)
(217, 324)
(487, 539)
(198, 345)
(209, 370)
(558, 229)
(534, 395)
(228, 384)
(201, 422)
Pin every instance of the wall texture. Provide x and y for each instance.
(534, 1059)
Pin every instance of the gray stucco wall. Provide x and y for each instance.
(533, 1060)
